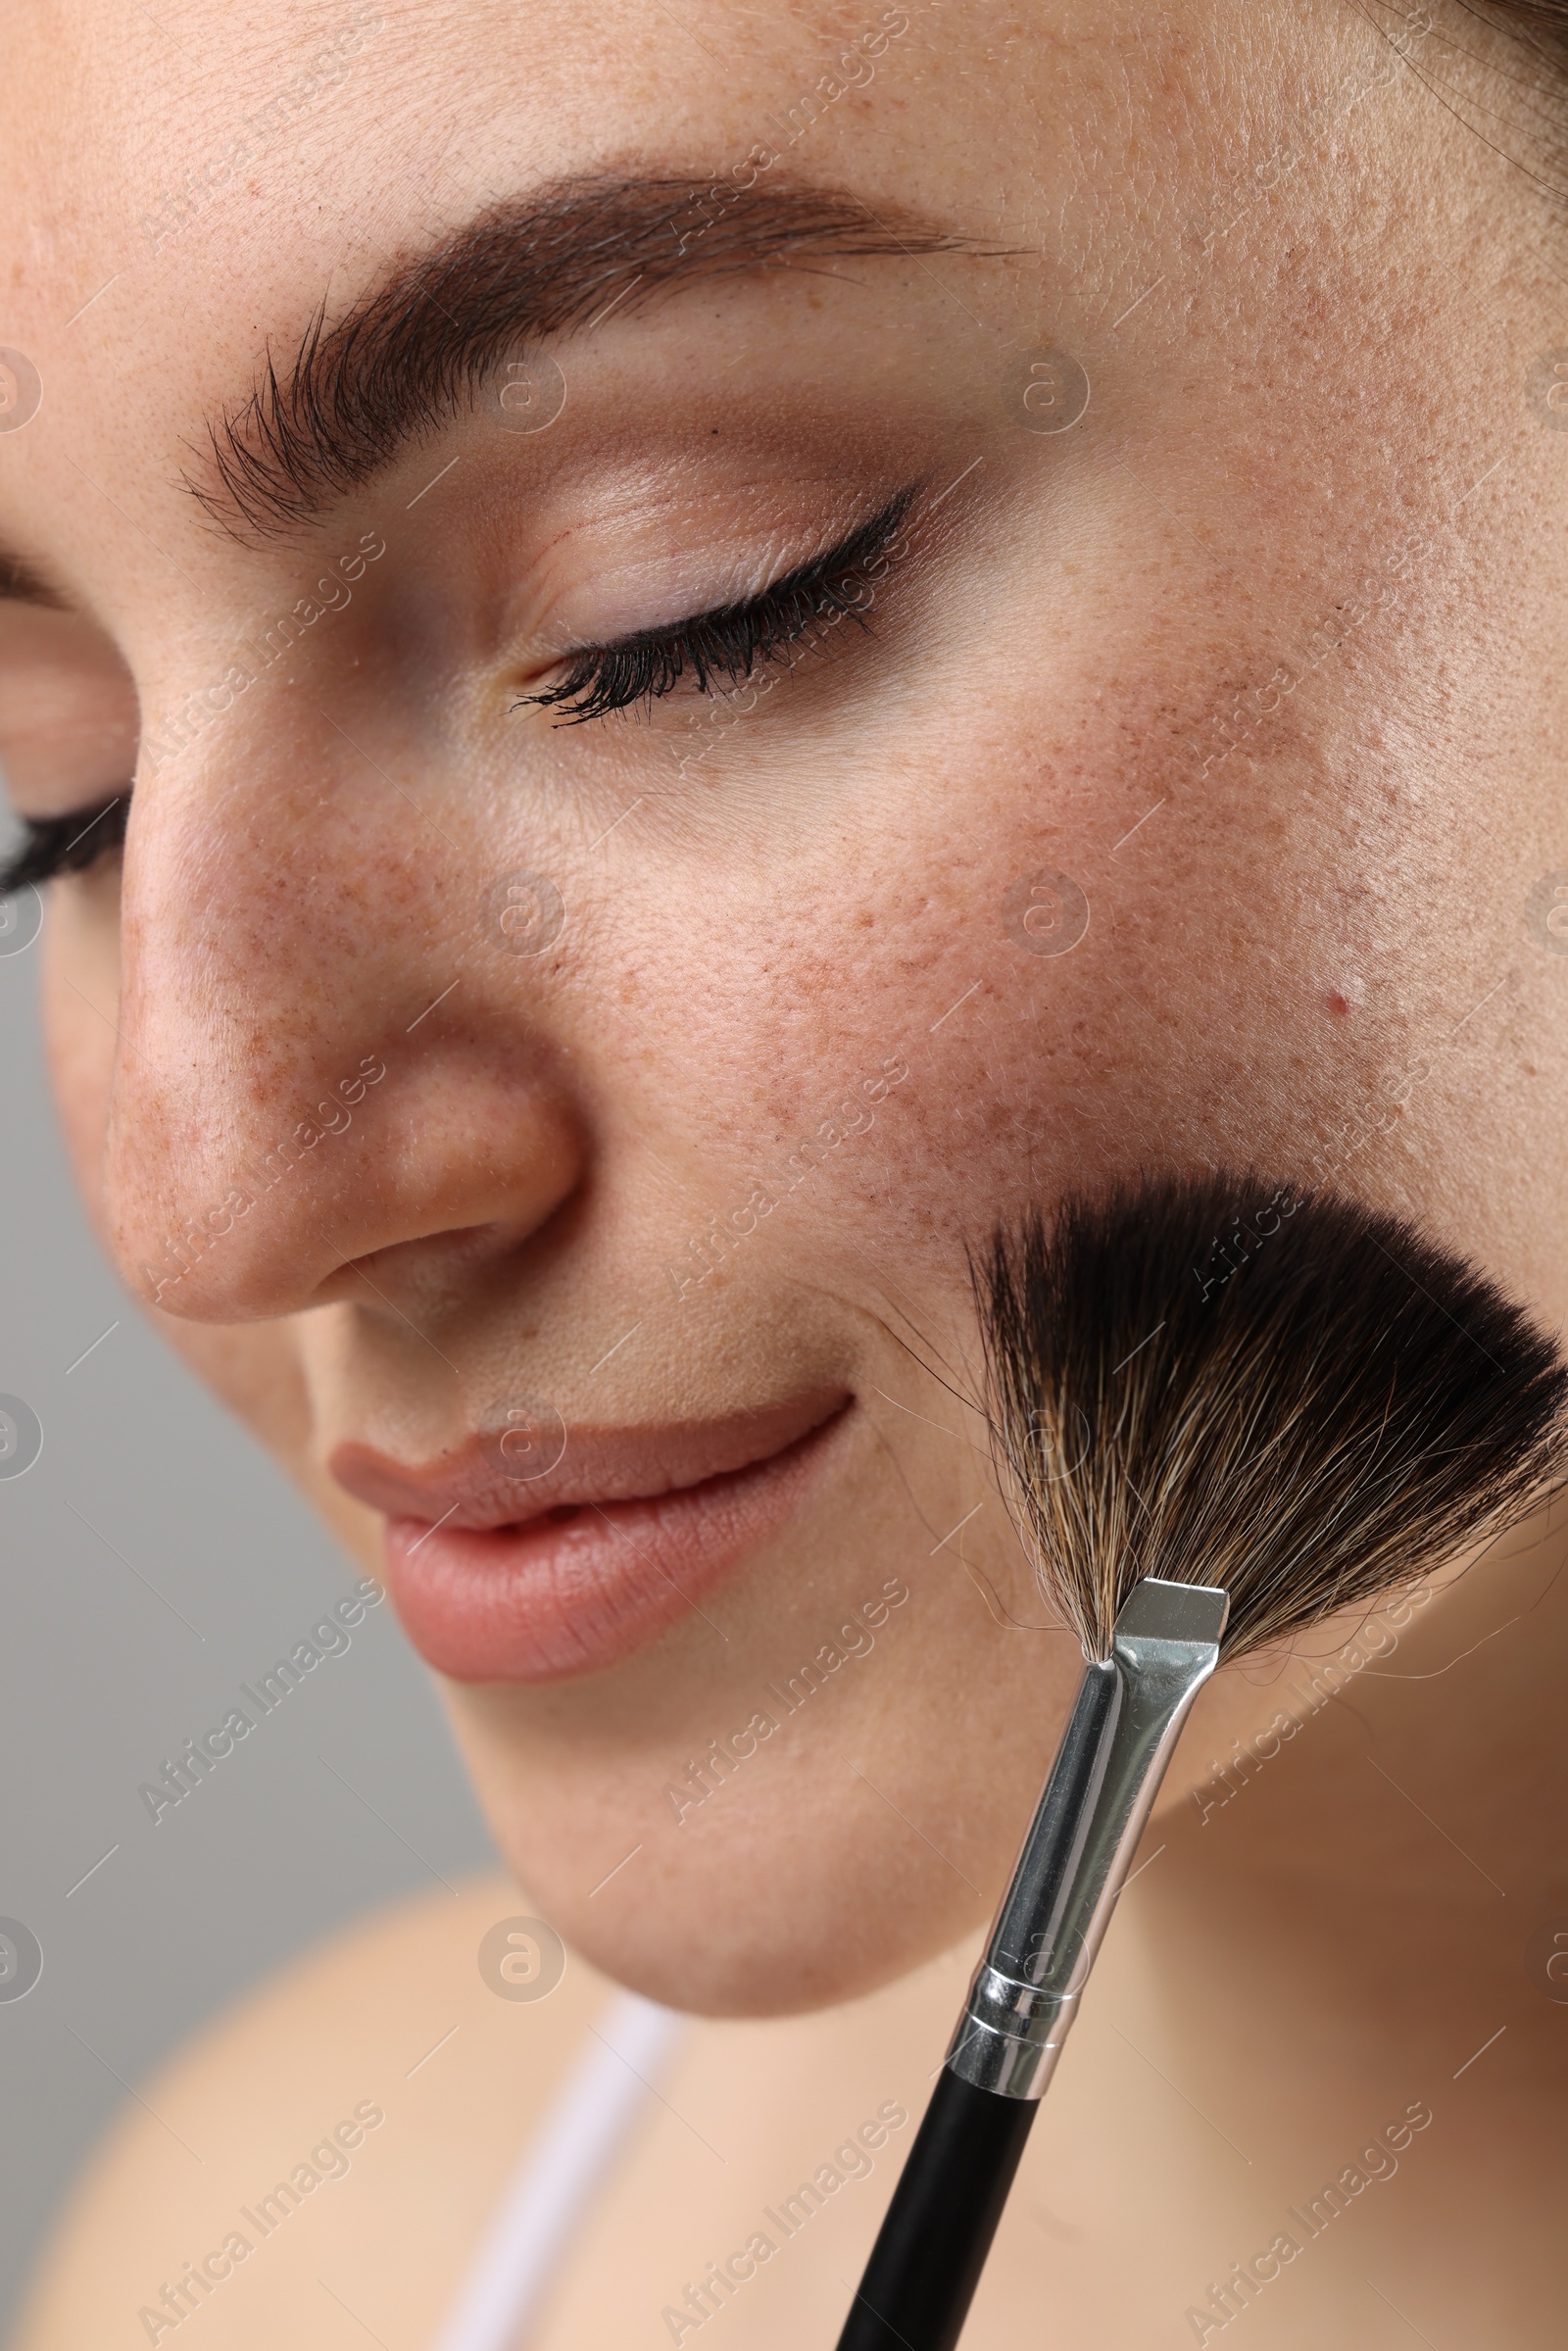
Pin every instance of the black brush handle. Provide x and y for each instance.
(933, 2242)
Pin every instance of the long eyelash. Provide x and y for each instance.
(730, 641)
(52, 845)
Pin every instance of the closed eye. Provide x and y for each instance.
(69, 844)
(727, 643)
(722, 645)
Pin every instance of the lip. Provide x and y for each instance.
(502, 1579)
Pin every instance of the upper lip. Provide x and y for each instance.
(462, 1487)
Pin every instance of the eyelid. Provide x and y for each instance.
(861, 541)
(69, 715)
(727, 639)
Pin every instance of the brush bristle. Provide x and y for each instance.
(1225, 1381)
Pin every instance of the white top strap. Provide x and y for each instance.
(549, 2195)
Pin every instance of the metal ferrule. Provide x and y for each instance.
(1120, 1736)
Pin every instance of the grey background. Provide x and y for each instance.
(144, 1482)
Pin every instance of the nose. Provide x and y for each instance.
(330, 1045)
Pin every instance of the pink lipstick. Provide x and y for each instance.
(505, 1579)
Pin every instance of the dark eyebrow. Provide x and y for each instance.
(406, 356)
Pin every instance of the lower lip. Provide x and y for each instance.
(574, 1591)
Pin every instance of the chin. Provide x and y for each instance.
(774, 1905)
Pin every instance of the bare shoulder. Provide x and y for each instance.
(317, 2167)
(335, 2142)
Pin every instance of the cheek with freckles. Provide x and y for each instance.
(1100, 963)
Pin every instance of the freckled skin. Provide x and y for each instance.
(1263, 654)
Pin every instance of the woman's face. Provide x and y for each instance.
(525, 1110)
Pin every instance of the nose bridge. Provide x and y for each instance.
(249, 979)
(298, 994)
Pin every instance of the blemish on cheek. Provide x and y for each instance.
(1341, 1001)
(1338, 1004)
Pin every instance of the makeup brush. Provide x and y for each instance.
(1220, 1409)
